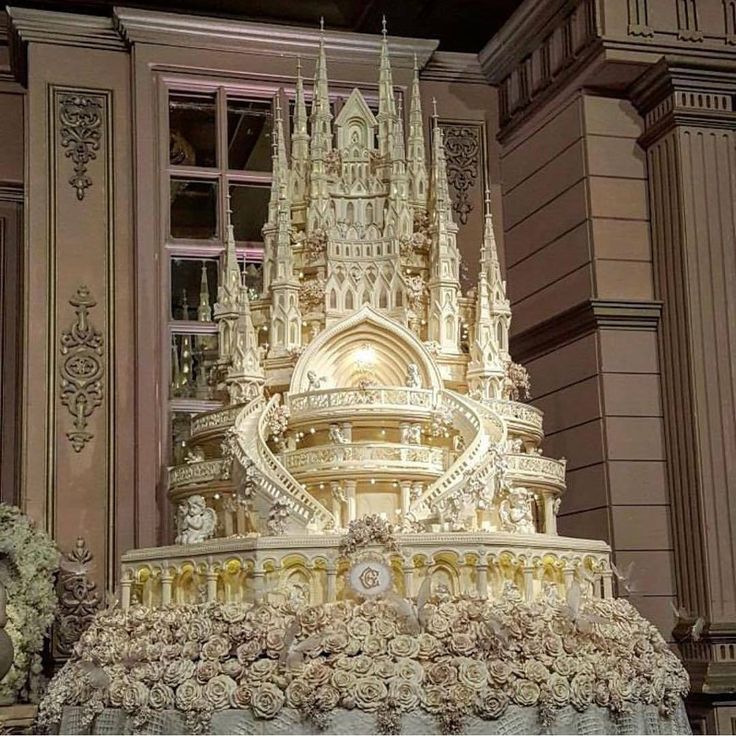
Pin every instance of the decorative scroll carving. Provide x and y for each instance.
(80, 117)
(79, 599)
(81, 368)
(463, 149)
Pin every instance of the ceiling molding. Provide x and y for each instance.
(453, 66)
(147, 26)
(524, 30)
(581, 320)
(65, 29)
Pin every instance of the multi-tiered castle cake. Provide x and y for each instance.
(368, 524)
(363, 382)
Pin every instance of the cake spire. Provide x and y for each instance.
(416, 158)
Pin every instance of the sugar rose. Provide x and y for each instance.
(526, 692)
(240, 697)
(403, 694)
(404, 645)
(187, 694)
(369, 693)
(267, 700)
(218, 690)
(472, 673)
(176, 672)
(491, 703)
(161, 697)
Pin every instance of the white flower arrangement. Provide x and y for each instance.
(472, 657)
(28, 562)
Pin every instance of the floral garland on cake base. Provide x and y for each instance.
(28, 562)
(470, 657)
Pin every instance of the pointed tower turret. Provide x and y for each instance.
(299, 180)
(204, 311)
(280, 180)
(490, 344)
(444, 283)
(320, 145)
(229, 292)
(416, 156)
(286, 321)
(386, 106)
(245, 375)
(239, 352)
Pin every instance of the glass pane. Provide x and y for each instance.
(192, 296)
(180, 431)
(192, 360)
(250, 211)
(249, 126)
(192, 130)
(193, 209)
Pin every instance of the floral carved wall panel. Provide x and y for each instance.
(82, 369)
(464, 150)
(79, 599)
(80, 126)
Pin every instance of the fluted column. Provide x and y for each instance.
(688, 109)
(481, 570)
(350, 492)
(331, 583)
(166, 580)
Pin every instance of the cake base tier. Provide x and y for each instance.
(248, 568)
(642, 719)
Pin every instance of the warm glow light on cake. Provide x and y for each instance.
(365, 357)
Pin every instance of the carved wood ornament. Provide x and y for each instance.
(463, 150)
(79, 599)
(80, 118)
(82, 369)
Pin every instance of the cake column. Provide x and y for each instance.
(481, 570)
(405, 496)
(166, 580)
(350, 487)
(331, 582)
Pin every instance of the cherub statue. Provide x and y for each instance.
(336, 435)
(516, 511)
(314, 381)
(195, 521)
(195, 455)
(411, 434)
(413, 379)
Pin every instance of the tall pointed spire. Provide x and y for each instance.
(399, 143)
(489, 346)
(299, 180)
(232, 277)
(444, 284)
(204, 311)
(321, 115)
(416, 156)
(386, 101)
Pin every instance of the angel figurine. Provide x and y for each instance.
(196, 522)
(413, 379)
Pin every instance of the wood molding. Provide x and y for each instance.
(11, 192)
(586, 317)
(450, 66)
(174, 29)
(684, 91)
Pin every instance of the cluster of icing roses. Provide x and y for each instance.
(455, 656)
(28, 562)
